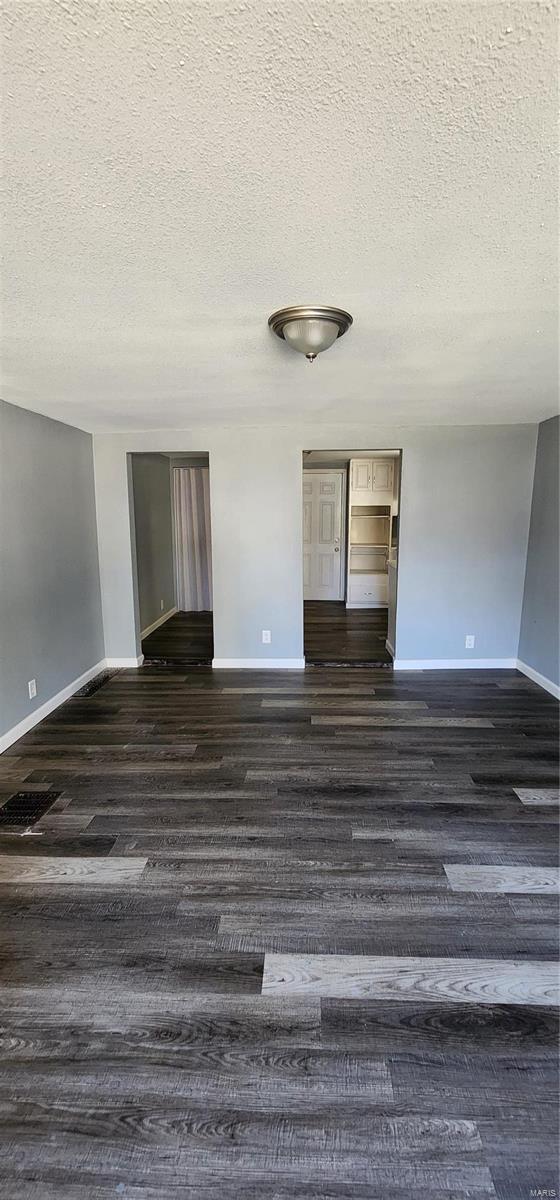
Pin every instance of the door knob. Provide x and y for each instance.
(337, 549)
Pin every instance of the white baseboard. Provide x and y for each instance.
(124, 662)
(39, 714)
(389, 646)
(542, 680)
(259, 664)
(455, 664)
(160, 621)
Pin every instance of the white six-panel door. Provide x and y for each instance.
(323, 535)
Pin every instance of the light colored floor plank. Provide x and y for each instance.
(299, 688)
(21, 869)
(534, 880)
(423, 722)
(538, 796)
(353, 976)
(305, 701)
(62, 822)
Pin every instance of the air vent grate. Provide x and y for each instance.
(94, 685)
(25, 808)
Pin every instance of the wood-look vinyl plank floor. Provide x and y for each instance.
(420, 722)
(538, 796)
(185, 637)
(483, 878)
(332, 633)
(18, 868)
(384, 978)
(232, 960)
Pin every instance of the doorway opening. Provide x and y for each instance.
(172, 539)
(350, 556)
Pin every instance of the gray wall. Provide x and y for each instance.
(464, 522)
(463, 528)
(257, 559)
(538, 644)
(50, 604)
(151, 484)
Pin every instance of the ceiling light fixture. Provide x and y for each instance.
(310, 328)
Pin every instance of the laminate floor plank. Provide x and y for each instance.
(214, 825)
(317, 1133)
(237, 1176)
(472, 1085)
(538, 796)
(282, 1078)
(367, 704)
(534, 880)
(16, 868)
(419, 722)
(499, 1032)
(387, 1186)
(65, 843)
(383, 937)
(348, 976)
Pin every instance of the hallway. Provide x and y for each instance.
(336, 634)
(332, 634)
(186, 637)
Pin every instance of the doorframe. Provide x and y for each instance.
(343, 471)
(184, 456)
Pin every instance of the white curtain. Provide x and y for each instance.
(193, 558)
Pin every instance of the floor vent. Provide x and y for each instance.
(94, 685)
(25, 808)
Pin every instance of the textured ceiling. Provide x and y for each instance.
(176, 170)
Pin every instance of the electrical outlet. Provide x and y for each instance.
(266, 636)
(161, 606)
(469, 641)
(32, 688)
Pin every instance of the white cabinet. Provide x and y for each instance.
(367, 590)
(371, 481)
(361, 476)
(382, 475)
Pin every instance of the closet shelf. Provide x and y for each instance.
(366, 571)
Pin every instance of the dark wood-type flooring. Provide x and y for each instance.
(282, 936)
(186, 637)
(332, 633)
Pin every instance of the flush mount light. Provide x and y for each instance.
(310, 328)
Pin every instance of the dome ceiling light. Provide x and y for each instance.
(310, 328)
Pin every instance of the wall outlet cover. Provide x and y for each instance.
(32, 688)
(469, 641)
(161, 603)
(266, 637)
